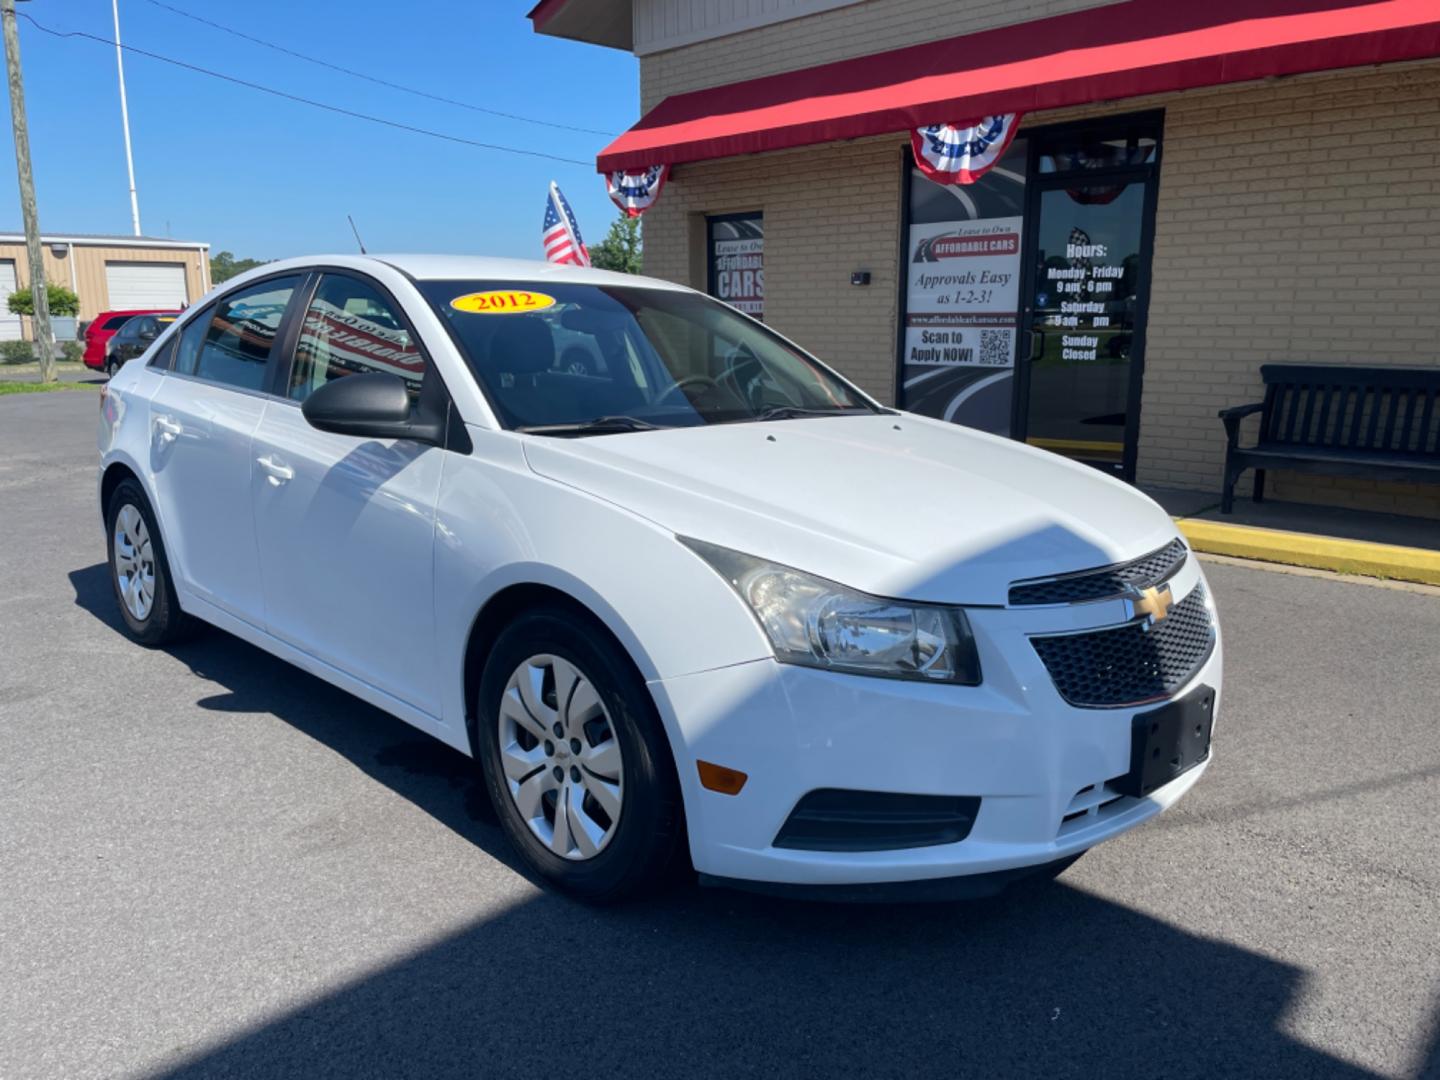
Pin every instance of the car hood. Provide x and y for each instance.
(894, 505)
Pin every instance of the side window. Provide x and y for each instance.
(348, 328)
(237, 342)
(115, 322)
(187, 348)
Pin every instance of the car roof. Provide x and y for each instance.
(474, 268)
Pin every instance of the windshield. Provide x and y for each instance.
(610, 358)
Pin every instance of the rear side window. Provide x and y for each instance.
(237, 342)
(350, 327)
(116, 321)
(163, 356)
(187, 348)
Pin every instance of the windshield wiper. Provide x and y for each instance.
(794, 412)
(601, 425)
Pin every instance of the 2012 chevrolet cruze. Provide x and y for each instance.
(669, 578)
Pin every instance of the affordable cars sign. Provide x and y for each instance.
(963, 292)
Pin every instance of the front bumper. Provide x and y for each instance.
(1039, 765)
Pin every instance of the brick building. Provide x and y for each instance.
(1247, 182)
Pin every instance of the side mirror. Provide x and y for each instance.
(374, 405)
(149, 333)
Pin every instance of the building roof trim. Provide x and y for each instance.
(599, 22)
(101, 240)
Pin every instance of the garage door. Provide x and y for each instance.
(133, 285)
(9, 324)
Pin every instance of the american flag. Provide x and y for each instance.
(561, 232)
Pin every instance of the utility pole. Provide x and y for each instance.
(125, 119)
(27, 193)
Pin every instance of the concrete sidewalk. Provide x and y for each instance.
(1297, 534)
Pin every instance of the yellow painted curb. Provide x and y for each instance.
(1321, 552)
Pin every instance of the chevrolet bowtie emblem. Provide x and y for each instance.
(1151, 604)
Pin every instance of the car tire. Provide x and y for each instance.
(139, 570)
(610, 743)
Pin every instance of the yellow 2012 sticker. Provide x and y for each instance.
(502, 302)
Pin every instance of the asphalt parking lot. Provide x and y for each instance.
(212, 864)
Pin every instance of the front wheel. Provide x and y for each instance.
(575, 758)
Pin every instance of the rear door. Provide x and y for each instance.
(345, 525)
(201, 421)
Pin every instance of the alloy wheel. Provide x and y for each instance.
(134, 562)
(563, 765)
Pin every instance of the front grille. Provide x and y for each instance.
(1129, 665)
(1104, 583)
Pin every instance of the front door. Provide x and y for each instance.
(346, 525)
(1091, 227)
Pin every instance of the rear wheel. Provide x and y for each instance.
(575, 758)
(138, 569)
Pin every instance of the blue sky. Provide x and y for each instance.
(267, 178)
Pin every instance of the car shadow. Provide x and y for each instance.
(1051, 981)
(1056, 983)
(436, 778)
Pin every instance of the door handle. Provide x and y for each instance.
(168, 429)
(276, 471)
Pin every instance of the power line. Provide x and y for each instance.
(370, 78)
(396, 124)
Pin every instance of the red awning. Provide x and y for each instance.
(1118, 51)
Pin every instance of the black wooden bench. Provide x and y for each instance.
(1379, 422)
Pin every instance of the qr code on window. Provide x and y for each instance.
(995, 348)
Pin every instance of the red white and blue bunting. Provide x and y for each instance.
(636, 192)
(962, 153)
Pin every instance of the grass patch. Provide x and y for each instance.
(32, 367)
(15, 386)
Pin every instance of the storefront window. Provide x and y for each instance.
(962, 294)
(736, 255)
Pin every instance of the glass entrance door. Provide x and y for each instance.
(1087, 321)
(1089, 233)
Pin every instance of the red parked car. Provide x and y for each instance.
(103, 328)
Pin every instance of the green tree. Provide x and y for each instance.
(62, 301)
(621, 248)
(224, 266)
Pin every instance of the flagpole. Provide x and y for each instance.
(125, 119)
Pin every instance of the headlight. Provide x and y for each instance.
(818, 623)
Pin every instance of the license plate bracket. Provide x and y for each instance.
(1168, 742)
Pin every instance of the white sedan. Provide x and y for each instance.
(675, 583)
